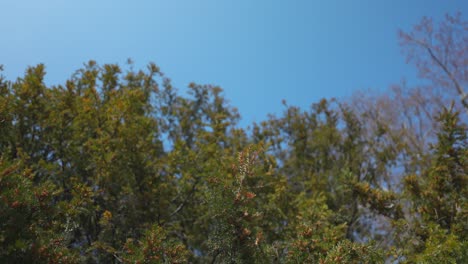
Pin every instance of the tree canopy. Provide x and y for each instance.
(116, 166)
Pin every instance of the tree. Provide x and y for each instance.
(437, 226)
(440, 53)
(116, 166)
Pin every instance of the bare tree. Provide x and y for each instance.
(440, 53)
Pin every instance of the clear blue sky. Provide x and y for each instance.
(259, 51)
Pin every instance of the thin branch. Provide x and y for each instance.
(184, 202)
(460, 90)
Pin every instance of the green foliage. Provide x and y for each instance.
(154, 247)
(313, 234)
(116, 167)
(438, 227)
(30, 230)
(347, 252)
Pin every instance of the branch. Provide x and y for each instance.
(460, 90)
(184, 202)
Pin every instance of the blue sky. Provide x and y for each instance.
(259, 51)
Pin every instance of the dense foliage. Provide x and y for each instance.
(115, 166)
